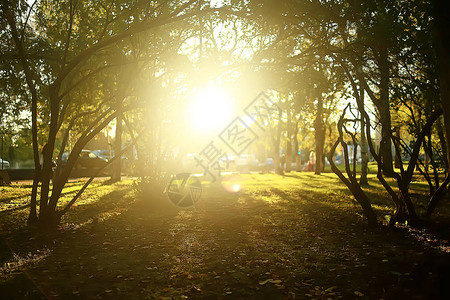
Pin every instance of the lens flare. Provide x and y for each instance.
(233, 184)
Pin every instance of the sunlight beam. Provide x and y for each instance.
(210, 110)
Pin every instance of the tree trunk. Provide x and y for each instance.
(443, 145)
(352, 184)
(437, 196)
(117, 167)
(47, 214)
(384, 111)
(288, 160)
(9, 15)
(297, 155)
(364, 156)
(319, 136)
(276, 137)
(441, 11)
(398, 159)
(406, 198)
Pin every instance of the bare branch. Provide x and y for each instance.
(22, 35)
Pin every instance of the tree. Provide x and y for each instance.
(85, 44)
(351, 181)
(441, 9)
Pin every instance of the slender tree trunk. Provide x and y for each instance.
(443, 145)
(384, 111)
(32, 218)
(288, 159)
(319, 136)
(351, 182)
(429, 150)
(117, 149)
(355, 157)
(364, 156)
(404, 191)
(276, 137)
(297, 155)
(47, 213)
(437, 196)
(397, 159)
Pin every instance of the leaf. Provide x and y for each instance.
(331, 289)
(275, 281)
(359, 294)
(195, 289)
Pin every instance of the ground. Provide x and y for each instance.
(280, 237)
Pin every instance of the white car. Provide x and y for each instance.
(4, 164)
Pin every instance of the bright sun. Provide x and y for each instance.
(210, 110)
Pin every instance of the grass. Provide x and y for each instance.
(294, 236)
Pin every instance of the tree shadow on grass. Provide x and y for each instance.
(231, 244)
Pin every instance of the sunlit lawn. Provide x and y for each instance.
(371, 167)
(299, 236)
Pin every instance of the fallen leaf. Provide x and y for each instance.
(264, 282)
(275, 281)
(331, 289)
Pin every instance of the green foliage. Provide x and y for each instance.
(89, 61)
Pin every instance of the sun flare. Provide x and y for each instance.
(210, 110)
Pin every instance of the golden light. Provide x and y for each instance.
(233, 183)
(210, 110)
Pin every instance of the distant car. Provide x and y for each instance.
(4, 164)
(106, 154)
(64, 158)
(88, 159)
(269, 164)
(245, 163)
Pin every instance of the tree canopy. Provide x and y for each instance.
(347, 76)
